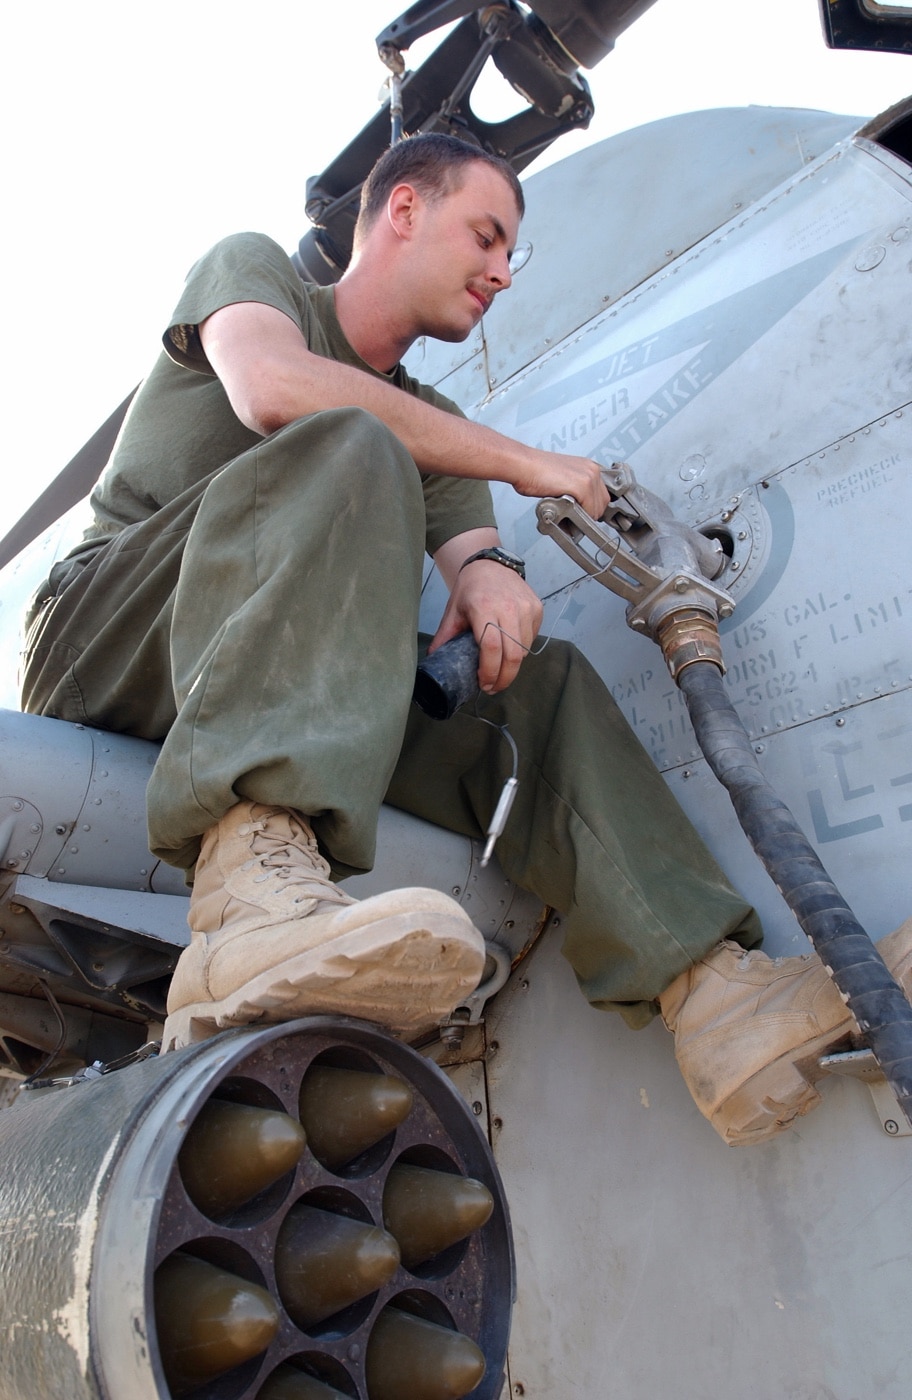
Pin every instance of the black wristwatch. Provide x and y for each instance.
(500, 556)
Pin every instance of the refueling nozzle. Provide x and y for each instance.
(661, 566)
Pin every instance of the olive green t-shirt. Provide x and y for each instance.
(181, 426)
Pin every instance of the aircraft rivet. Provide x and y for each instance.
(891, 1127)
(840, 722)
(759, 748)
(457, 891)
(60, 830)
(35, 828)
(742, 534)
(476, 1109)
(17, 806)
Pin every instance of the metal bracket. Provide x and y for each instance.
(861, 1064)
(470, 1011)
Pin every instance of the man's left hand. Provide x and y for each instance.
(502, 612)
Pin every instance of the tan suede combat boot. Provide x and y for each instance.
(749, 1031)
(272, 938)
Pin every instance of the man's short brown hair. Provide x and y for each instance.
(434, 164)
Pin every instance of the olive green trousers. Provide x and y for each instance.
(263, 626)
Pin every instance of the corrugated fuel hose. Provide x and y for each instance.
(874, 998)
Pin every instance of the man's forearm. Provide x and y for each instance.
(272, 378)
(444, 444)
(439, 442)
(451, 556)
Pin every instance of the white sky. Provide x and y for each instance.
(138, 135)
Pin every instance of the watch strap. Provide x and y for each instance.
(498, 556)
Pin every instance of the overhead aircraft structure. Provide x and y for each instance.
(715, 307)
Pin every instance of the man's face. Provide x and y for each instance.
(460, 256)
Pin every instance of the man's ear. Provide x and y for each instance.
(402, 209)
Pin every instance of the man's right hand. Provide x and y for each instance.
(554, 474)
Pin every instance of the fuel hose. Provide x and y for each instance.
(873, 997)
(449, 678)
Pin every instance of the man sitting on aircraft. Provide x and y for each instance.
(249, 596)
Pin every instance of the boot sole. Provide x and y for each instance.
(396, 972)
(776, 1095)
(785, 1090)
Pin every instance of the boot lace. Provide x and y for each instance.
(293, 861)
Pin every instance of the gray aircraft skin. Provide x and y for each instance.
(742, 341)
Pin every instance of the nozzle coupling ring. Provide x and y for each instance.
(687, 635)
